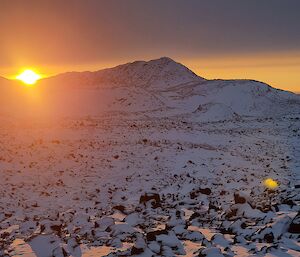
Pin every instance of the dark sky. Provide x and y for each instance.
(72, 32)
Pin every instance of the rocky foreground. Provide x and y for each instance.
(148, 159)
(111, 186)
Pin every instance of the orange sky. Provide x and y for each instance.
(280, 70)
(216, 39)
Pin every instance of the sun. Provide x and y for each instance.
(28, 77)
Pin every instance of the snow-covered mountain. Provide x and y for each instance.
(160, 73)
(159, 88)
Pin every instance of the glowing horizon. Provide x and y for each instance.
(278, 70)
(29, 77)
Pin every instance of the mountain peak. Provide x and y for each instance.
(164, 60)
(159, 61)
(158, 74)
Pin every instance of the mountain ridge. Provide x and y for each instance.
(158, 72)
(157, 88)
(106, 76)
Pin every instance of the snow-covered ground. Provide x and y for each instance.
(173, 167)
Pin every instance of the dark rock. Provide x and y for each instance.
(195, 193)
(288, 202)
(205, 191)
(201, 254)
(295, 225)
(57, 228)
(194, 216)
(232, 213)
(65, 253)
(269, 238)
(239, 199)
(151, 197)
(151, 236)
(226, 231)
(4, 235)
(243, 225)
(120, 208)
(211, 206)
(43, 228)
(136, 251)
(276, 208)
(223, 192)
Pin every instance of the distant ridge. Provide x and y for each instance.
(158, 73)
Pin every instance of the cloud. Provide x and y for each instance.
(93, 31)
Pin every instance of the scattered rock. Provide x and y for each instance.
(154, 198)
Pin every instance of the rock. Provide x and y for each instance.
(172, 242)
(295, 225)
(122, 228)
(288, 202)
(136, 251)
(104, 223)
(239, 199)
(133, 219)
(231, 213)
(212, 206)
(120, 208)
(195, 193)
(269, 238)
(139, 246)
(219, 239)
(194, 236)
(210, 252)
(151, 236)
(205, 191)
(57, 229)
(154, 247)
(151, 197)
(194, 216)
(59, 252)
(115, 242)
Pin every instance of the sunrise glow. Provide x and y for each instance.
(28, 77)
